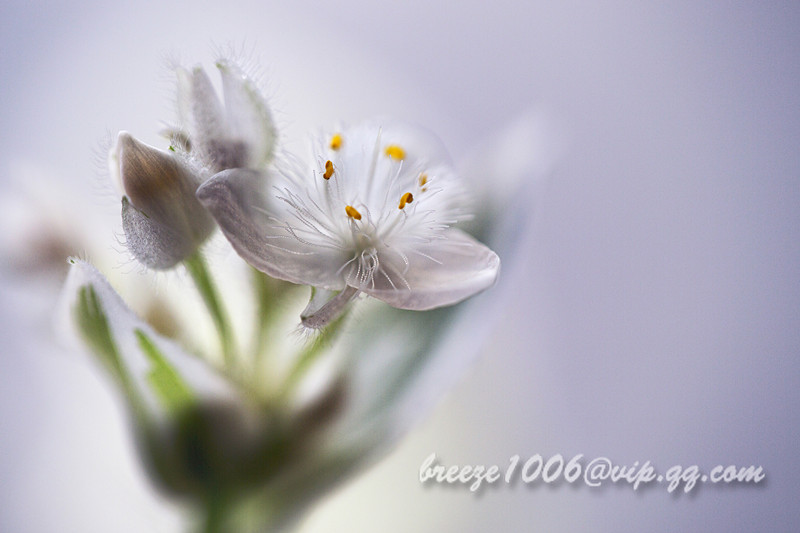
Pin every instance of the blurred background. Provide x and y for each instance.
(655, 311)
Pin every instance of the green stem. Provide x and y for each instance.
(215, 516)
(270, 294)
(307, 357)
(197, 268)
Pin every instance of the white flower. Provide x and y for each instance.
(372, 214)
(253, 444)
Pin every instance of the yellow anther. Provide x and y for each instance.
(336, 141)
(351, 212)
(407, 198)
(395, 152)
(423, 179)
(328, 170)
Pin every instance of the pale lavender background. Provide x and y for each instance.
(658, 317)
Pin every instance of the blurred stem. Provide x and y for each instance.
(215, 516)
(198, 269)
(269, 294)
(307, 357)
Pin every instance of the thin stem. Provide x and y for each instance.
(307, 357)
(263, 296)
(215, 516)
(270, 294)
(198, 269)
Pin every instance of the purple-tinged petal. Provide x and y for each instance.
(235, 198)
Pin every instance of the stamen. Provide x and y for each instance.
(395, 152)
(328, 170)
(423, 179)
(407, 198)
(336, 141)
(373, 163)
(352, 212)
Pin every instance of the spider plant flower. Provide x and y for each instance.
(237, 132)
(161, 217)
(251, 443)
(372, 213)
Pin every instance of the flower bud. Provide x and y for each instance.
(162, 219)
(237, 132)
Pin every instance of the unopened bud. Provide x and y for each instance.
(162, 219)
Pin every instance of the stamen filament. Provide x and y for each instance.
(373, 165)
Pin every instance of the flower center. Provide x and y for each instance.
(364, 241)
(368, 264)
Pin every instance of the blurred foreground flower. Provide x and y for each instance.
(249, 434)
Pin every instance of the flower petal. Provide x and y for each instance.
(210, 134)
(153, 244)
(435, 274)
(237, 134)
(417, 143)
(248, 115)
(206, 118)
(236, 200)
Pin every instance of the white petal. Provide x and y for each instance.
(206, 118)
(249, 117)
(236, 200)
(153, 244)
(210, 134)
(417, 142)
(439, 273)
(183, 100)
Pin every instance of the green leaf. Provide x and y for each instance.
(93, 325)
(168, 385)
